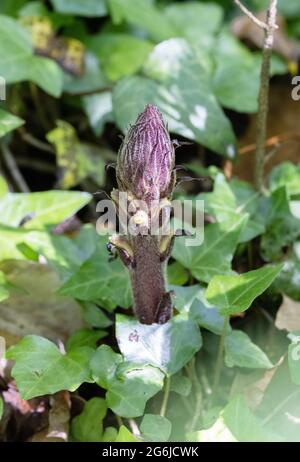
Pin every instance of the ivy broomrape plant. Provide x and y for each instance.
(146, 173)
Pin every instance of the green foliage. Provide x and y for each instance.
(233, 294)
(169, 346)
(214, 371)
(8, 122)
(40, 368)
(241, 352)
(129, 386)
(156, 428)
(88, 426)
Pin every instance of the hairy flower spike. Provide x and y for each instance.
(145, 171)
(146, 158)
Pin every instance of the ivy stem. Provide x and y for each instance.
(220, 358)
(165, 400)
(191, 370)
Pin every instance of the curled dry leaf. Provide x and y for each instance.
(288, 315)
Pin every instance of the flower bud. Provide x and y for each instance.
(145, 164)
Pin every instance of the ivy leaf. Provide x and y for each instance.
(8, 122)
(44, 208)
(88, 426)
(120, 54)
(181, 384)
(156, 428)
(229, 199)
(125, 436)
(288, 175)
(41, 369)
(95, 316)
(98, 108)
(184, 297)
(99, 279)
(197, 22)
(84, 338)
(288, 280)
(129, 386)
(92, 80)
(235, 293)
(168, 346)
(215, 254)
(282, 228)
(18, 63)
(241, 352)
(207, 316)
(88, 8)
(190, 110)
(143, 14)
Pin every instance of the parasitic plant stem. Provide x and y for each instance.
(145, 173)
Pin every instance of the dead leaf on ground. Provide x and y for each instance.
(35, 308)
(288, 315)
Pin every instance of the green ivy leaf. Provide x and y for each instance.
(168, 346)
(87, 8)
(84, 338)
(181, 384)
(129, 386)
(288, 280)
(8, 122)
(215, 254)
(100, 279)
(125, 436)
(282, 227)
(177, 274)
(45, 208)
(143, 14)
(120, 54)
(95, 316)
(88, 426)
(41, 369)
(229, 199)
(98, 108)
(156, 428)
(197, 22)
(190, 110)
(288, 175)
(18, 63)
(241, 352)
(235, 293)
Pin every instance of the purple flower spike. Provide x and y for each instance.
(146, 158)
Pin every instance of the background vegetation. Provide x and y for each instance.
(226, 367)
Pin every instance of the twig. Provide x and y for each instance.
(263, 101)
(30, 139)
(165, 400)
(13, 168)
(250, 15)
(36, 164)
